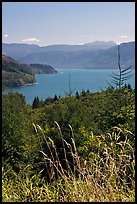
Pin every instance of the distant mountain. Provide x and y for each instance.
(16, 50)
(20, 51)
(101, 44)
(15, 74)
(98, 54)
(109, 58)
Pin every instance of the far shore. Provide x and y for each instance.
(30, 84)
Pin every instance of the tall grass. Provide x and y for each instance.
(107, 175)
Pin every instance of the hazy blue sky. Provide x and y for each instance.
(46, 23)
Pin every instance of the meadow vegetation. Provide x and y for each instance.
(76, 148)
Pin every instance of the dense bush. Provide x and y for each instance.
(77, 142)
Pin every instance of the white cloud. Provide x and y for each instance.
(31, 40)
(119, 42)
(6, 35)
(123, 36)
(80, 43)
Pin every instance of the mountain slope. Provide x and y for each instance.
(98, 54)
(43, 69)
(109, 58)
(16, 50)
(15, 74)
(85, 58)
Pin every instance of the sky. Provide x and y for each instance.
(48, 23)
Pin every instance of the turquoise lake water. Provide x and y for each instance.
(50, 84)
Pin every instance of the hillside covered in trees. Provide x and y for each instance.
(77, 148)
(15, 74)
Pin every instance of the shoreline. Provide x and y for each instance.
(30, 84)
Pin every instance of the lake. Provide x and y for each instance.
(50, 84)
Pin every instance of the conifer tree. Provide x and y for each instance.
(36, 102)
(123, 75)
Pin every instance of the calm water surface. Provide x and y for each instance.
(50, 84)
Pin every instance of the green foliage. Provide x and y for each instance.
(109, 170)
(90, 144)
(15, 74)
(16, 79)
(18, 137)
(36, 102)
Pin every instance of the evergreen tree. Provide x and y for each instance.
(55, 97)
(83, 93)
(88, 91)
(36, 102)
(123, 75)
(77, 95)
(70, 91)
(129, 87)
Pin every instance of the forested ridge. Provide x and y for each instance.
(76, 148)
(15, 74)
